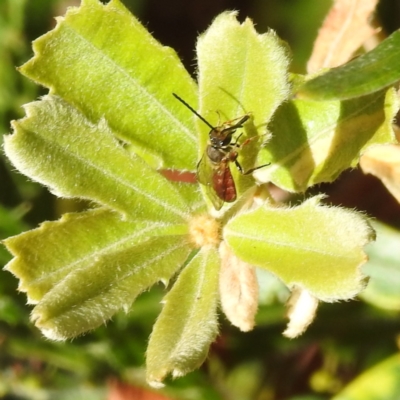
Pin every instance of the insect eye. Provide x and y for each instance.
(226, 141)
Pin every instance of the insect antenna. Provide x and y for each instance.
(193, 110)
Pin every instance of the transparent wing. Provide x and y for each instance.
(205, 173)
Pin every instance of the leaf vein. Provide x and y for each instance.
(145, 93)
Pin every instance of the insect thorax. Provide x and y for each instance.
(215, 154)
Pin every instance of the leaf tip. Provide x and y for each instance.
(155, 384)
(53, 335)
(177, 373)
(302, 307)
(155, 377)
(49, 332)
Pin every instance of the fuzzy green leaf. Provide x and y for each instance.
(366, 74)
(103, 62)
(82, 269)
(317, 247)
(240, 71)
(188, 322)
(58, 147)
(314, 141)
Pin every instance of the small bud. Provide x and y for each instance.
(204, 231)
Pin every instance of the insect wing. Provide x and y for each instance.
(205, 175)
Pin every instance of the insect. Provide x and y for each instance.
(222, 149)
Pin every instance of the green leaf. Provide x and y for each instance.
(58, 147)
(251, 73)
(188, 322)
(240, 71)
(314, 141)
(82, 269)
(316, 247)
(103, 62)
(366, 74)
(379, 382)
(45, 256)
(384, 269)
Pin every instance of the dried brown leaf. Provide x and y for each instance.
(301, 309)
(344, 30)
(384, 163)
(238, 288)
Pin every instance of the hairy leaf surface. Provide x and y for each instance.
(315, 141)
(60, 148)
(316, 247)
(188, 322)
(240, 71)
(103, 62)
(82, 269)
(366, 74)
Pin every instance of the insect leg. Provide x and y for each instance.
(240, 168)
(250, 139)
(237, 139)
(232, 156)
(254, 169)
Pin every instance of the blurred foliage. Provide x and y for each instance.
(345, 341)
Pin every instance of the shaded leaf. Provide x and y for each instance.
(314, 141)
(316, 247)
(359, 77)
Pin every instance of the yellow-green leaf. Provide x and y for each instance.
(82, 269)
(103, 62)
(188, 322)
(316, 247)
(59, 147)
(240, 71)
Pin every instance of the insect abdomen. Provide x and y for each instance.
(224, 184)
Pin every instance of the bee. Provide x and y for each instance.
(222, 149)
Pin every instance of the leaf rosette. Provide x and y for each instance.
(107, 127)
